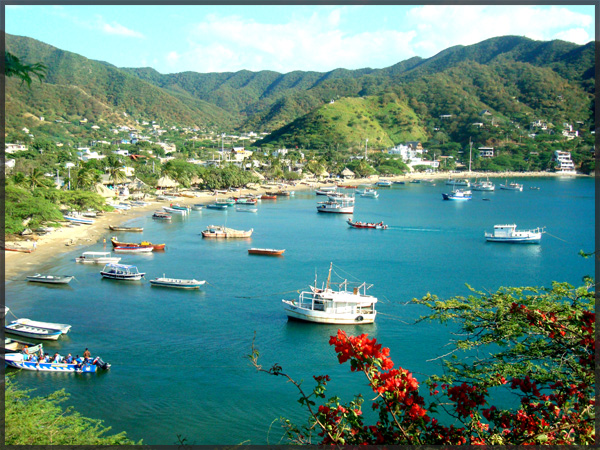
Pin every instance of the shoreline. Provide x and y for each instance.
(67, 239)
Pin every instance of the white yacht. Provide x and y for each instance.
(325, 305)
(509, 233)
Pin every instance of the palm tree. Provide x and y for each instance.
(115, 170)
(36, 179)
(87, 178)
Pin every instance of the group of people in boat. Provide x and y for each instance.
(41, 357)
(368, 224)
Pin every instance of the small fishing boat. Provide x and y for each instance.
(341, 207)
(458, 195)
(180, 207)
(369, 193)
(217, 206)
(170, 210)
(13, 346)
(122, 272)
(139, 203)
(245, 201)
(132, 249)
(399, 182)
(50, 279)
(160, 215)
(510, 234)
(282, 193)
(376, 226)
(348, 186)
(27, 362)
(512, 186)
(78, 219)
(340, 196)
(116, 243)
(325, 305)
(253, 210)
(22, 250)
(131, 229)
(326, 190)
(384, 183)
(177, 283)
(486, 185)
(415, 181)
(197, 207)
(97, 258)
(62, 327)
(32, 332)
(458, 182)
(225, 201)
(268, 197)
(218, 231)
(265, 251)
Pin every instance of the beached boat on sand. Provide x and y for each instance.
(218, 231)
(132, 229)
(160, 215)
(325, 305)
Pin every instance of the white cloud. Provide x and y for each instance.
(120, 30)
(317, 42)
(441, 27)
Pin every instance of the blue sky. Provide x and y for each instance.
(217, 38)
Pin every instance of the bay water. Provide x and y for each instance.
(179, 367)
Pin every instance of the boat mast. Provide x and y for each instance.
(329, 276)
(470, 150)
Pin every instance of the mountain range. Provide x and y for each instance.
(513, 79)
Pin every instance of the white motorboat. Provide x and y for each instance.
(133, 249)
(337, 207)
(62, 327)
(458, 195)
(509, 233)
(369, 193)
(458, 182)
(78, 218)
(177, 283)
(170, 210)
(122, 272)
(97, 258)
(32, 332)
(50, 279)
(512, 186)
(486, 185)
(384, 183)
(340, 196)
(325, 305)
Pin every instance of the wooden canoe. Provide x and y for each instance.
(134, 229)
(266, 251)
(116, 243)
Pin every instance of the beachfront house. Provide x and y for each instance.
(486, 152)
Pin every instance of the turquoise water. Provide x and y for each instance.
(178, 357)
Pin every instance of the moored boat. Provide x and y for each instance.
(485, 185)
(97, 258)
(325, 305)
(340, 196)
(62, 327)
(512, 186)
(116, 243)
(14, 345)
(268, 197)
(32, 332)
(218, 231)
(376, 226)
(458, 195)
(122, 272)
(509, 233)
(170, 210)
(27, 362)
(217, 206)
(384, 183)
(266, 251)
(197, 207)
(50, 279)
(253, 210)
(132, 229)
(369, 193)
(336, 207)
(177, 283)
(78, 219)
(180, 207)
(458, 182)
(160, 215)
(132, 249)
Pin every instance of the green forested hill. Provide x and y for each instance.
(517, 80)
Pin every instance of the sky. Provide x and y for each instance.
(284, 38)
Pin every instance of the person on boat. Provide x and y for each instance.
(86, 355)
(26, 350)
(32, 358)
(69, 359)
(55, 358)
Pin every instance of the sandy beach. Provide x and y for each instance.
(67, 239)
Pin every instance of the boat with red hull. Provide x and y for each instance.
(142, 244)
(376, 226)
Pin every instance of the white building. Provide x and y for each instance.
(13, 148)
(84, 154)
(486, 152)
(412, 155)
(564, 163)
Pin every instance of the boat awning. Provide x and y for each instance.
(120, 266)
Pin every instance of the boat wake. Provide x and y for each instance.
(415, 229)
